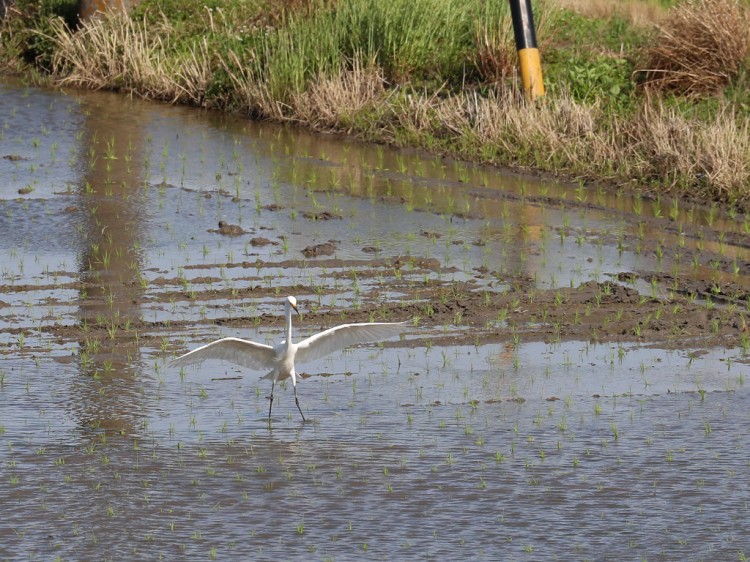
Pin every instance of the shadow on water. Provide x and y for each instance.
(573, 387)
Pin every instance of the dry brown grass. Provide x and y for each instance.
(657, 146)
(724, 159)
(561, 134)
(638, 12)
(252, 97)
(496, 57)
(699, 49)
(710, 160)
(116, 52)
(332, 103)
(661, 143)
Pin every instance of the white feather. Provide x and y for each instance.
(339, 337)
(280, 359)
(250, 354)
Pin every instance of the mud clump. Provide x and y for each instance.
(324, 249)
(227, 229)
(604, 293)
(259, 241)
(321, 215)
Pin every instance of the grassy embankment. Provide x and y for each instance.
(665, 108)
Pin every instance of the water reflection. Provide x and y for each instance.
(113, 214)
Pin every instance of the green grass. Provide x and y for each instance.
(407, 39)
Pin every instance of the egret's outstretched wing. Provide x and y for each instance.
(333, 339)
(250, 354)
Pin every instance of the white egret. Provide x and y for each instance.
(281, 358)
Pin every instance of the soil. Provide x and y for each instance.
(317, 250)
(321, 215)
(467, 313)
(229, 229)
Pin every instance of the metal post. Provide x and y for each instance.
(528, 54)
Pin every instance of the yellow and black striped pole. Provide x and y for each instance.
(528, 54)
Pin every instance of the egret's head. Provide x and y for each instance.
(293, 303)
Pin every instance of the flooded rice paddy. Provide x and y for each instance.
(573, 386)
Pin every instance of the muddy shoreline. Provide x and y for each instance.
(491, 307)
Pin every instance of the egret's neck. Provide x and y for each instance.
(288, 325)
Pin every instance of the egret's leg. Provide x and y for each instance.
(297, 401)
(270, 403)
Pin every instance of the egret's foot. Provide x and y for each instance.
(270, 403)
(296, 400)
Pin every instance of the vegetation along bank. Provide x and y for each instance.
(649, 94)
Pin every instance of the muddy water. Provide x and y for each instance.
(574, 386)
